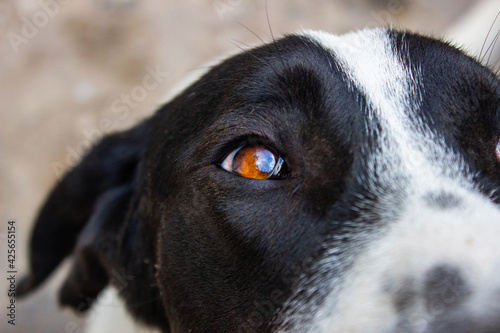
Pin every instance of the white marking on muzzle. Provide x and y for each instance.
(464, 237)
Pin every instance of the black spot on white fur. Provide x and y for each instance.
(444, 288)
(442, 200)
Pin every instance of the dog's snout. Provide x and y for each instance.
(444, 288)
(438, 267)
(455, 305)
(465, 320)
(444, 300)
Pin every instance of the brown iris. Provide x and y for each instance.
(253, 161)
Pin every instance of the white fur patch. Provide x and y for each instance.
(465, 236)
(110, 315)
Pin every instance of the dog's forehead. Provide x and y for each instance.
(390, 85)
(391, 68)
(398, 86)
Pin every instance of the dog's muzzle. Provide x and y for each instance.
(436, 269)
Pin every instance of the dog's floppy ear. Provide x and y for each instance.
(85, 215)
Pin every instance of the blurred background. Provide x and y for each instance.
(67, 67)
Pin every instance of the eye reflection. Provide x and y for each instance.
(254, 162)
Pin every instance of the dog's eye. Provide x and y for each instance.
(256, 162)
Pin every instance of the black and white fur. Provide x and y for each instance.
(389, 219)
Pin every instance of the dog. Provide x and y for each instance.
(318, 183)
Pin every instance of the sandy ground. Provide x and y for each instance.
(64, 64)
